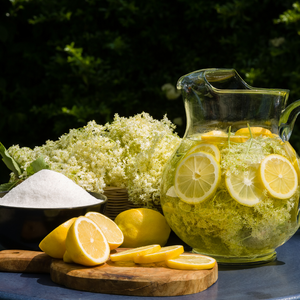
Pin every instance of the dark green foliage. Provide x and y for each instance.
(65, 62)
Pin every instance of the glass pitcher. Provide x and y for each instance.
(231, 190)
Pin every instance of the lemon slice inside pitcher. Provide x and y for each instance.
(245, 186)
(208, 148)
(278, 176)
(197, 177)
(255, 131)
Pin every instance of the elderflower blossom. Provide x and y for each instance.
(129, 152)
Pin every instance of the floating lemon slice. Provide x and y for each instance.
(197, 177)
(292, 157)
(245, 187)
(256, 131)
(191, 262)
(278, 176)
(86, 244)
(208, 148)
(130, 254)
(217, 136)
(163, 254)
(110, 229)
(54, 243)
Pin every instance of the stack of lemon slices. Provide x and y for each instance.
(198, 174)
(171, 256)
(88, 240)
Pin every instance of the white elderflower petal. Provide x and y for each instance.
(128, 152)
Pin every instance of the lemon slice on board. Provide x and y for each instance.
(208, 148)
(256, 131)
(130, 254)
(191, 262)
(110, 229)
(278, 176)
(54, 243)
(245, 187)
(197, 177)
(86, 244)
(163, 254)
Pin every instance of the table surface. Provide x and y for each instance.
(276, 280)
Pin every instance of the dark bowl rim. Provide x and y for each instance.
(101, 202)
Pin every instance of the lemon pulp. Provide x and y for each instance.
(279, 176)
(197, 177)
(86, 244)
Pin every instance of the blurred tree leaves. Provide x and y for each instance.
(65, 62)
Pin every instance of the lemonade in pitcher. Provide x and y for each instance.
(231, 190)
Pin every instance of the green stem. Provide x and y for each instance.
(251, 138)
(229, 133)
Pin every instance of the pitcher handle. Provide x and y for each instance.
(287, 120)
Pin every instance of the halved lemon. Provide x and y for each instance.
(197, 177)
(110, 229)
(208, 148)
(245, 187)
(256, 131)
(163, 254)
(191, 262)
(130, 254)
(86, 244)
(67, 258)
(278, 176)
(54, 243)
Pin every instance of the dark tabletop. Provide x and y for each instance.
(276, 280)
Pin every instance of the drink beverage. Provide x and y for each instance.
(246, 216)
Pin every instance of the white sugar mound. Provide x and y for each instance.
(48, 189)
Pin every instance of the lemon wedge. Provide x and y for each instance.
(110, 229)
(245, 187)
(54, 243)
(86, 244)
(191, 262)
(278, 176)
(208, 148)
(197, 177)
(163, 254)
(130, 254)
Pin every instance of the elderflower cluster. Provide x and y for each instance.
(129, 152)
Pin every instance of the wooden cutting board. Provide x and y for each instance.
(124, 278)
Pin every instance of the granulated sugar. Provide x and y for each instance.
(48, 189)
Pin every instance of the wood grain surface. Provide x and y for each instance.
(123, 278)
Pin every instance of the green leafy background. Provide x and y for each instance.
(65, 62)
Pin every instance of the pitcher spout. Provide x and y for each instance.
(287, 120)
(219, 99)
